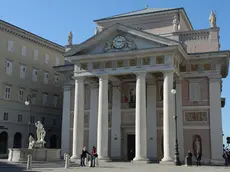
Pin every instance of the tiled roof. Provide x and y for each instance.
(139, 12)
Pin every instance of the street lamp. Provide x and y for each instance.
(28, 102)
(177, 159)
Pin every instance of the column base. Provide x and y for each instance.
(217, 162)
(167, 161)
(140, 160)
(104, 159)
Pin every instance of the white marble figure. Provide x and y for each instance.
(212, 19)
(31, 142)
(175, 24)
(41, 133)
(70, 38)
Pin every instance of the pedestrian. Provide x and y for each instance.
(226, 157)
(83, 156)
(198, 158)
(93, 157)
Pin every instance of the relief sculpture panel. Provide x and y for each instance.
(196, 116)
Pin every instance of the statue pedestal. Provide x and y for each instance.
(20, 155)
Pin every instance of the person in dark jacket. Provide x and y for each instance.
(226, 157)
(83, 156)
(198, 158)
(93, 157)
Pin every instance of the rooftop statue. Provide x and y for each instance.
(212, 19)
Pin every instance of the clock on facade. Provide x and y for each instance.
(119, 42)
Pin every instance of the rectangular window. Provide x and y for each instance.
(9, 65)
(22, 72)
(194, 91)
(54, 121)
(19, 117)
(32, 119)
(55, 100)
(56, 81)
(5, 116)
(24, 50)
(33, 98)
(7, 92)
(46, 78)
(57, 61)
(35, 75)
(10, 46)
(43, 120)
(47, 57)
(45, 98)
(35, 54)
(21, 95)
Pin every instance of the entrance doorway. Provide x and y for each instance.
(131, 146)
(17, 140)
(3, 142)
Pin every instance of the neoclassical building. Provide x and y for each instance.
(117, 93)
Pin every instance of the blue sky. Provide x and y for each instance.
(53, 19)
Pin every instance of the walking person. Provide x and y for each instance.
(226, 157)
(93, 157)
(198, 158)
(83, 156)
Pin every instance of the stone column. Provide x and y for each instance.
(78, 122)
(151, 120)
(215, 117)
(116, 123)
(180, 125)
(140, 119)
(102, 129)
(168, 121)
(93, 116)
(65, 120)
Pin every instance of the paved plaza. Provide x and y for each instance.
(109, 167)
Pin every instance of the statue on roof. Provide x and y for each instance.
(96, 31)
(175, 24)
(212, 19)
(70, 38)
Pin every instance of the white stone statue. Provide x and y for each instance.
(212, 19)
(41, 133)
(96, 31)
(175, 24)
(31, 142)
(197, 145)
(70, 38)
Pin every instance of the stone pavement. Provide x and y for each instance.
(109, 167)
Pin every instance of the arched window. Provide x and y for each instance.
(3, 142)
(17, 140)
(197, 144)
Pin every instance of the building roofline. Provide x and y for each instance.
(26, 33)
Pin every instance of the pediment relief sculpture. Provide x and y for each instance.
(119, 43)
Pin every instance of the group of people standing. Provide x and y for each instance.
(93, 157)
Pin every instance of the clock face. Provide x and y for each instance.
(119, 42)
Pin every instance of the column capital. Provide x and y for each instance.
(216, 78)
(103, 77)
(79, 78)
(140, 74)
(167, 72)
(67, 87)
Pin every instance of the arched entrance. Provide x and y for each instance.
(3, 142)
(53, 141)
(17, 140)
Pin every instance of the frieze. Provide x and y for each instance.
(196, 116)
(194, 67)
(207, 66)
(146, 61)
(160, 60)
(120, 63)
(96, 65)
(182, 67)
(133, 62)
(108, 64)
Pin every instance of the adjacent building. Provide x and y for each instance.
(27, 74)
(126, 84)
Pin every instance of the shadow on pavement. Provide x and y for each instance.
(8, 167)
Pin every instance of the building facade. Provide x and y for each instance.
(117, 93)
(27, 74)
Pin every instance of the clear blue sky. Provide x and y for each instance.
(53, 19)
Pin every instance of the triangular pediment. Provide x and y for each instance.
(120, 38)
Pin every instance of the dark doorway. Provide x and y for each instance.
(3, 142)
(53, 141)
(17, 140)
(131, 146)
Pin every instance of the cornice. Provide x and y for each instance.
(6, 27)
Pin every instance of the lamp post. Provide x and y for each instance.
(177, 159)
(28, 102)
